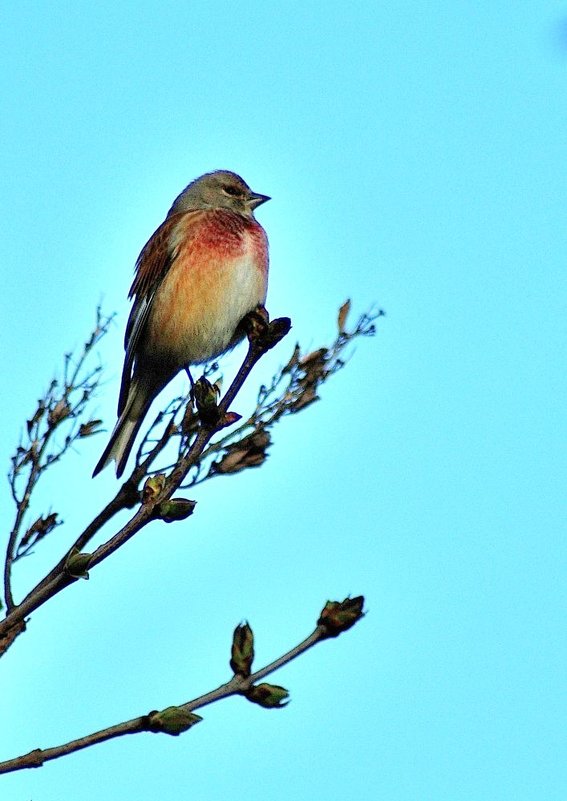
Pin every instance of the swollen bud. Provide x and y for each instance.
(175, 509)
(229, 419)
(263, 334)
(174, 720)
(248, 452)
(153, 487)
(256, 323)
(279, 328)
(242, 652)
(270, 696)
(77, 564)
(338, 616)
(206, 396)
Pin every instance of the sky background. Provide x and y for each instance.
(416, 157)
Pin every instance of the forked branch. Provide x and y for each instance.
(203, 450)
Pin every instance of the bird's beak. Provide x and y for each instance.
(257, 200)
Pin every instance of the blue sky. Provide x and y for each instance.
(415, 155)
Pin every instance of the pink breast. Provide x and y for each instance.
(219, 273)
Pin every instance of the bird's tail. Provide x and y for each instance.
(122, 438)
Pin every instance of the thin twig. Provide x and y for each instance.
(56, 582)
(63, 404)
(293, 388)
(239, 684)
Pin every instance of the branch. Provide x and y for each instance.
(294, 387)
(335, 618)
(61, 407)
(263, 336)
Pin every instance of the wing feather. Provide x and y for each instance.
(152, 265)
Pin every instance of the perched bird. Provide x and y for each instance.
(199, 274)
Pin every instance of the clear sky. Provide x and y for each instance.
(416, 157)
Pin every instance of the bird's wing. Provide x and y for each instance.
(152, 266)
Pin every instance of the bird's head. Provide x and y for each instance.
(221, 189)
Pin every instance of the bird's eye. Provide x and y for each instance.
(231, 190)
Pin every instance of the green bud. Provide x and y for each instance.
(174, 720)
(175, 509)
(270, 696)
(77, 564)
(242, 652)
(153, 487)
(339, 616)
(206, 396)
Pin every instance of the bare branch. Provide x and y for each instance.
(58, 411)
(201, 453)
(260, 341)
(335, 618)
(294, 387)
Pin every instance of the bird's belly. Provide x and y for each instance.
(196, 310)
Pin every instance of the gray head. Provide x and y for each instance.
(218, 190)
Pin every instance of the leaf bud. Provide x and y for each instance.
(206, 397)
(174, 720)
(270, 696)
(339, 616)
(175, 509)
(77, 564)
(242, 652)
(153, 487)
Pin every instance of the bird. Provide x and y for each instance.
(199, 274)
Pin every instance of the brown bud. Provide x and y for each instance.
(229, 419)
(242, 652)
(339, 616)
(40, 529)
(256, 323)
(37, 416)
(308, 396)
(59, 412)
(86, 429)
(343, 314)
(294, 361)
(248, 452)
(315, 357)
(263, 334)
(279, 328)
(270, 696)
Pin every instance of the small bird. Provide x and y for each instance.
(199, 274)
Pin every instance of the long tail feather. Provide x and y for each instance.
(126, 429)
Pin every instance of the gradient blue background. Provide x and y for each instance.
(416, 156)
